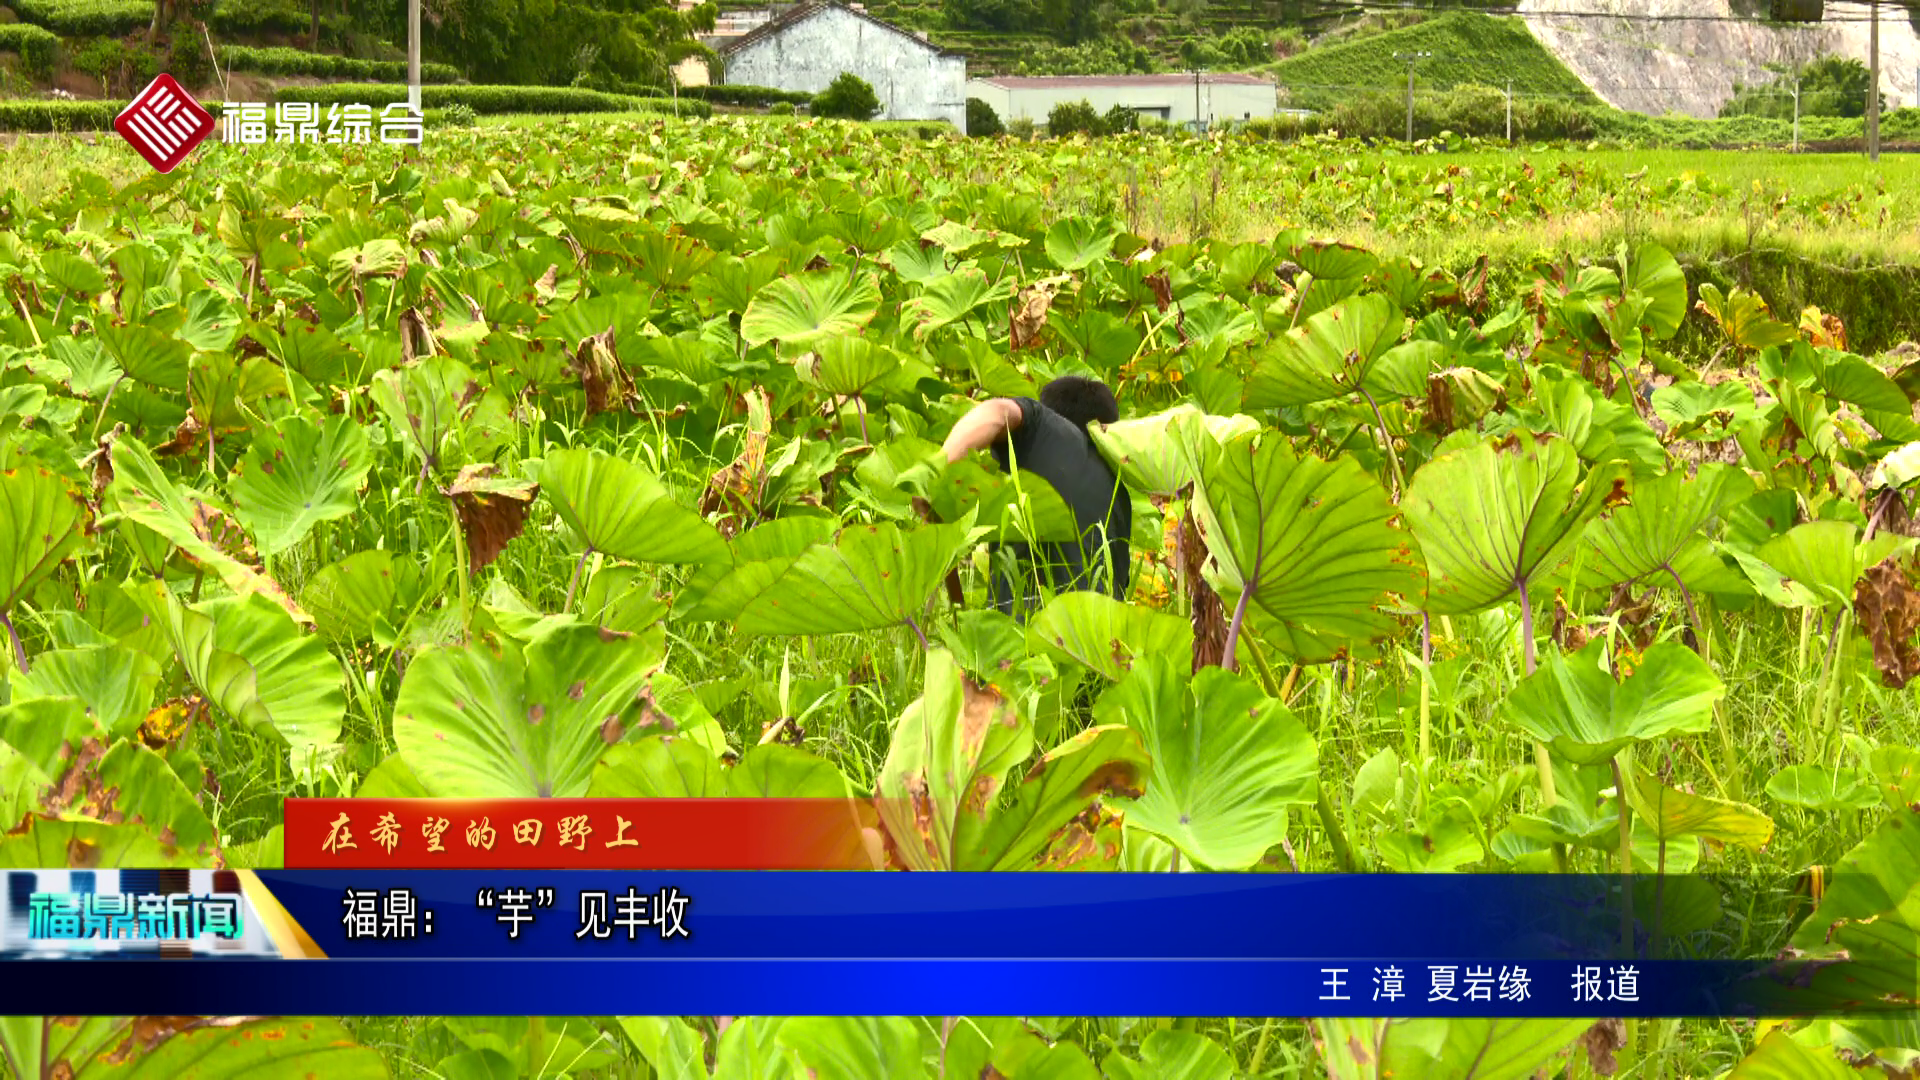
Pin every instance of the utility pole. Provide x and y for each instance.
(1197, 122)
(413, 57)
(1873, 84)
(1796, 111)
(1411, 58)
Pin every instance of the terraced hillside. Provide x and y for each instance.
(1466, 48)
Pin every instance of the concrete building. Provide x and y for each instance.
(806, 48)
(1177, 99)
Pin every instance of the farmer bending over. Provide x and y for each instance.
(1049, 438)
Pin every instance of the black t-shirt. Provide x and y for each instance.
(1060, 452)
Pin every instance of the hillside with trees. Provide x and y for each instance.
(109, 48)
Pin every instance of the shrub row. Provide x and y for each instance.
(753, 96)
(285, 61)
(37, 46)
(23, 115)
(489, 99)
(1464, 110)
(1481, 111)
(20, 114)
(86, 18)
(262, 17)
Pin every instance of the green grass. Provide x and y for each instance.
(1468, 48)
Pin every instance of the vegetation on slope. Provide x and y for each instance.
(1467, 48)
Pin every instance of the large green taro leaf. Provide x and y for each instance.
(1311, 540)
(185, 1047)
(223, 389)
(1227, 761)
(1346, 349)
(949, 755)
(298, 475)
(128, 783)
(146, 355)
(1151, 451)
(683, 769)
(717, 591)
(46, 731)
(1076, 243)
(1744, 318)
(423, 404)
(528, 1046)
(1870, 919)
(495, 719)
(41, 841)
(364, 596)
(672, 1047)
(1671, 813)
(619, 508)
(43, 519)
(1694, 410)
(1779, 1057)
(750, 1050)
(1174, 1055)
(870, 576)
(144, 495)
(1021, 507)
(1106, 635)
(1055, 820)
(1576, 706)
(854, 1047)
(1896, 774)
(1492, 517)
(1820, 560)
(803, 310)
(1664, 520)
(113, 682)
(257, 666)
(1655, 275)
(1433, 1048)
(849, 366)
(951, 298)
(21, 782)
(773, 771)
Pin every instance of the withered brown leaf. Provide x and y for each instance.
(1888, 608)
(492, 510)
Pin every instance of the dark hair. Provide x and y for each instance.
(1081, 400)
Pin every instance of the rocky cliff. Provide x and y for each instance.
(1638, 63)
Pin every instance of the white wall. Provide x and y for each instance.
(1218, 101)
(913, 81)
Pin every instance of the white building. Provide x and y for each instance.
(806, 48)
(1177, 99)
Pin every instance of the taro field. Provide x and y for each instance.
(320, 467)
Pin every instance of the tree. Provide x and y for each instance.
(990, 14)
(982, 120)
(1119, 119)
(1829, 86)
(637, 40)
(1074, 21)
(1070, 117)
(850, 97)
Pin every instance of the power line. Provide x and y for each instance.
(1892, 10)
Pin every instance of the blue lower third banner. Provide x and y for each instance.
(749, 943)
